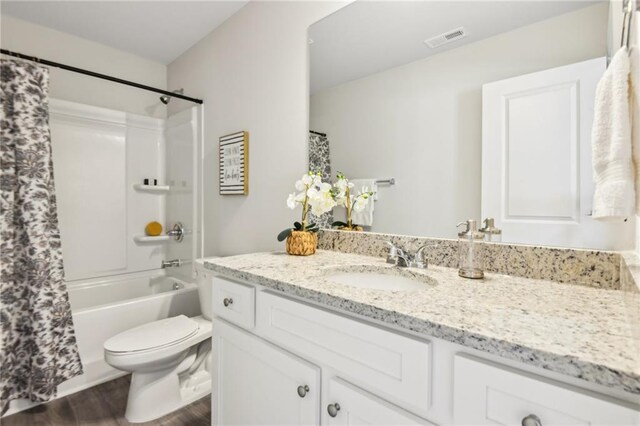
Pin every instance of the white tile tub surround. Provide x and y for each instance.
(104, 307)
(99, 155)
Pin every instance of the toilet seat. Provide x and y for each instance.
(153, 336)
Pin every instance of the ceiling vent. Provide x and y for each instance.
(447, 37)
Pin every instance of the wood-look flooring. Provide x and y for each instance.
(104, 405)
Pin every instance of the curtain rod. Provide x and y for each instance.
(98, 75)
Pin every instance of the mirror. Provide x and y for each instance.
(476, 109)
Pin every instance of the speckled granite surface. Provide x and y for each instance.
(629, 271)
(573, 330)
(600, 269)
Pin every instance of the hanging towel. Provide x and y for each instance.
(614, 197)
(365, 217)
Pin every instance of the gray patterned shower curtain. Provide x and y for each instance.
(38, 348)
(319, 162)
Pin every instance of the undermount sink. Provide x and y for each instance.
(380, 281)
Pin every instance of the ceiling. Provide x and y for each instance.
(157, 30)
(368, 36)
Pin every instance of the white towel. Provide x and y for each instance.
(365, 217)
(614, 197)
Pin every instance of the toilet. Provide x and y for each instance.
(170, 361)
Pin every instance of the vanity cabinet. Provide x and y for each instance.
(287, 362)
(259, 384)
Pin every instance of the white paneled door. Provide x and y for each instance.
(536, 159)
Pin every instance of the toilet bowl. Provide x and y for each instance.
(170, 360)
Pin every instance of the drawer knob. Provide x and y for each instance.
(227, 301)
(531, 420)
(333, 409)
(302, 391)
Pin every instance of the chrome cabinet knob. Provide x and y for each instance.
(227, 301)
(302, 391)
(333, 409)
(531, 420)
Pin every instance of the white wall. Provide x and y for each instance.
(252, 73)
(421, 122)
(31, 39)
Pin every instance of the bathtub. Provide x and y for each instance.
(102, 308)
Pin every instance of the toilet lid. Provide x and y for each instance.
(153, 335)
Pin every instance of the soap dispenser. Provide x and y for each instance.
(470, 250)
(491, 233)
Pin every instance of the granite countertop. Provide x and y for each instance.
(577, 331)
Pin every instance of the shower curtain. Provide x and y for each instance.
(319, 162)
(38, 348)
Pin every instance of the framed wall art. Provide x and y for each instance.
(234, 164)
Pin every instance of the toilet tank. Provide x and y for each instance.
(205, 289)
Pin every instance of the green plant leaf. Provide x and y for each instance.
(311, 225)
(297, 225)
(284, 234)
(338, 223)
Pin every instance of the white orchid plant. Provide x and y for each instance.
(344, 196)
(314, 196)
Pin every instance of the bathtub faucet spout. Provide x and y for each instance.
(171, 263)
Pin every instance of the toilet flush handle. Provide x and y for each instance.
(227, 301)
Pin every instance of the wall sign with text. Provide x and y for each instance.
(234, 164)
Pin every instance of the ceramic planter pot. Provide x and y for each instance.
(302, 243)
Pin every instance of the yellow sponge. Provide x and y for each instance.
(153, 229)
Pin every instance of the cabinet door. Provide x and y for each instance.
(349, 405)
(256, 383)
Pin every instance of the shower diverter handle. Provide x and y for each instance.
(177, 232)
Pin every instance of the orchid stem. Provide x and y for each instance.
(349, 207)
(305, 210)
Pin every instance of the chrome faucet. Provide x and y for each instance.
(401, 259)
(171, 263)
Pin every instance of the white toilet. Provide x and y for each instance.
(170, 360)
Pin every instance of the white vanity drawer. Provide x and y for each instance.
(489, 394)
(234, 302)
(393, 366)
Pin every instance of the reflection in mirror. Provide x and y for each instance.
(476, 109)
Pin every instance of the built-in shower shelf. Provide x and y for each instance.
(148, 239)
(152, 188)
